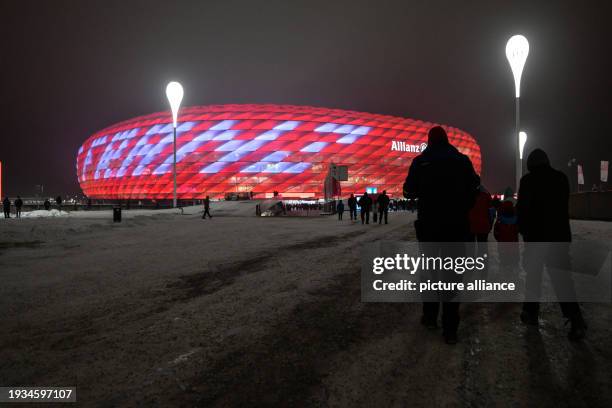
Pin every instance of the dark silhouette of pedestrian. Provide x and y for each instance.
(506, 230)
(6, 206)
(47, 204)
(18, 205)
(543, 217)
(383, 207)
(206, 208)
(365, 202)
(340, 209)
(481, 216)
(352, 205)
(441, 172)
(58, 201)
(496, 201)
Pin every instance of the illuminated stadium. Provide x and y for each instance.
(255, 150)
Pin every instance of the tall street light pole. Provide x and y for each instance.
(522, 142)
(517, 50)
(174, 93)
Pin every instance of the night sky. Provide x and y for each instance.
(70, 68)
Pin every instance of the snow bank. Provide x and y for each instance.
(44, 213)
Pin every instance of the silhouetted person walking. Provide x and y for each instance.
(340, 209)
(6, 206)
(439, 174)
(352, 205)
(47, 204)
(206, 208)
(481, 216)
(18, 205)
(365, 202)
(58, 201)
(383, 207)
(543, 217)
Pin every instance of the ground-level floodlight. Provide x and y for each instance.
(517, 50)
(174, 93)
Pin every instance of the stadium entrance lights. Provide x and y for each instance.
(517, 50)
(174, 93)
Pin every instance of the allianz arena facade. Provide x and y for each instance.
(255, 149)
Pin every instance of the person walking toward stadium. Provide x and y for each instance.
(436, 174)
(18, 205)
(543, 219)
(383, 207)
(481, 216)
(506, 230)
(365, 202)
(352, 205)
(340, 209)
(6, 206)
(206, 208)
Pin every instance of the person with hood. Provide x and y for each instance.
(365, 202)
(352, 205)
(543, 217)
(6, 206)
(440, 172)
(383, 207)
(18, 205)
(340, 209)
(509, 195)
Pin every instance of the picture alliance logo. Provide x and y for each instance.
(401, 146)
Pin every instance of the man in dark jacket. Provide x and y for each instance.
(445, 184)
(352, 205)
(18, 205)
(383, 207)
(543, 217)
(6, 206)
(206, 208)
(340, 209)
(365, 202)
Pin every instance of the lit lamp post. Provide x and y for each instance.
(522, 141)
(174, 92)
(517, 50)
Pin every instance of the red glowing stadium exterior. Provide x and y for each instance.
(254, 148)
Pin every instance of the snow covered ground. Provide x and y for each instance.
(168, 309)
(43, 213)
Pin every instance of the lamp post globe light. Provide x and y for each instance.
(174, 93)
(517, 50)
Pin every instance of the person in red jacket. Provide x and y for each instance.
(481, 219)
